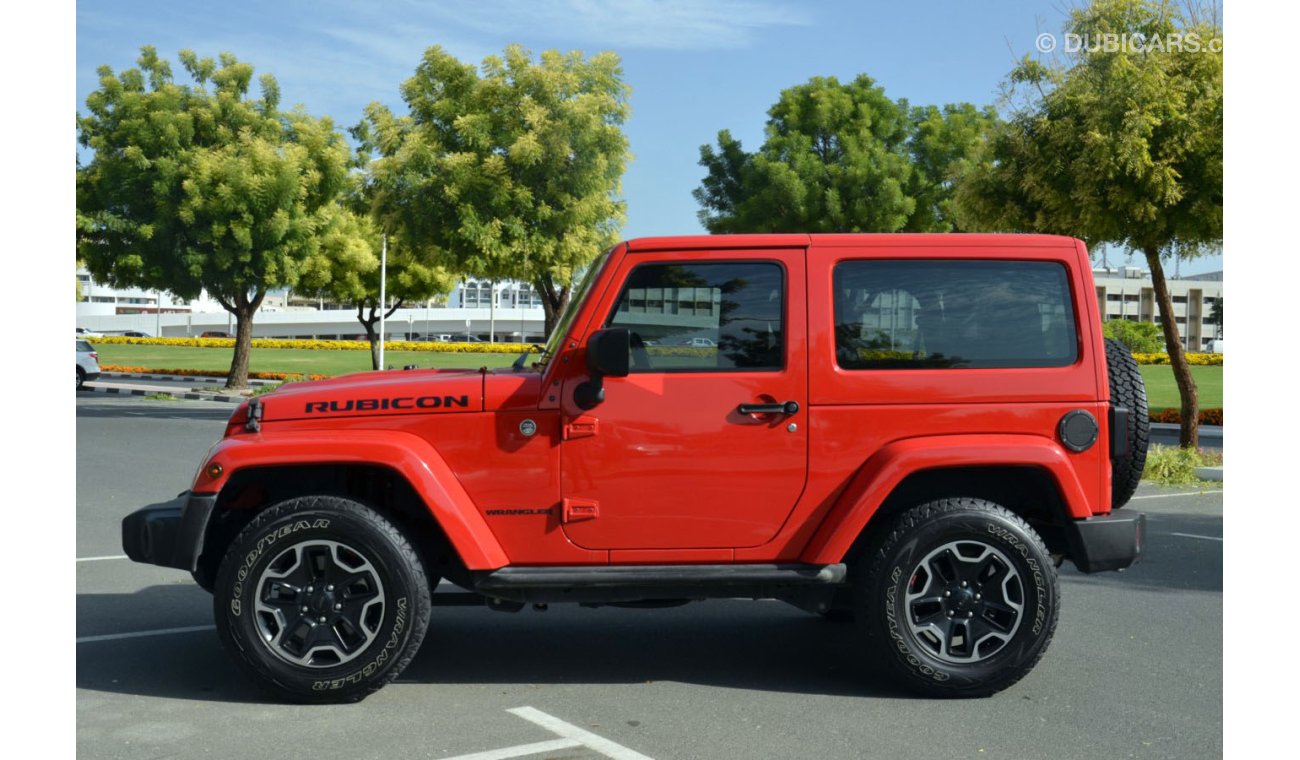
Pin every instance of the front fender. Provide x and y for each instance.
(889, 466)
(409, 455)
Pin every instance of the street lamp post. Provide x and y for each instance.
(383, 293)
(492, 314)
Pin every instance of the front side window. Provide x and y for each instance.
(716, 317)
(959, 314)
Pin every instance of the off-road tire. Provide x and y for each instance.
(1129, 391)
(1000, 654)
(375, 612)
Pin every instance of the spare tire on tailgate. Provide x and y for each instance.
(1128, 391)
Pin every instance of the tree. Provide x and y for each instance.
(1139, 337)
(1216, 316)
(352, 244)
(841, 158)
(512, 173)
(200, 187)
(1117, 143)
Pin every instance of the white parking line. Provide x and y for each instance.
(520, 750)
(1193, 535)
(1172, 495)
(138, 634)
(569, 731)
(571, 736)
(98, 559)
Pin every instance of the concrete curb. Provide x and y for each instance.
(179, 396)
(1210, 473)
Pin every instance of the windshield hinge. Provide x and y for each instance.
(254, 422)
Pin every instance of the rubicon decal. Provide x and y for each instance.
(380, 404)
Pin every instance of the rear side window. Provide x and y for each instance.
(714, 317)
(83, 346)
(960, 314)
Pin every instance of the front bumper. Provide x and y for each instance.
(1109, 542)
(169, 534)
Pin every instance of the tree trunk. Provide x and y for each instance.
(243, 308)
(1189, 433)
(369, 323)
(554, 302)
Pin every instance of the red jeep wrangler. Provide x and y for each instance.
(913, 431)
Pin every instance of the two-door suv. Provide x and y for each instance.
(912, 431)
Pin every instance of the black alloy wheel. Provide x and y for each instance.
(959, 599)
(321, 599)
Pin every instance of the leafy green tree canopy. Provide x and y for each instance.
(1119, 144)
(352, 244)
(512, 172)
(202, 187)
(841, 158)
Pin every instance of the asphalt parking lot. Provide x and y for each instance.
(1135, 669)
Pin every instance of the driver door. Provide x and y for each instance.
(704, 443)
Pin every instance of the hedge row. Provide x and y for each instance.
(291, 376)
(1196, 360)
(493, 348)
(320, 345)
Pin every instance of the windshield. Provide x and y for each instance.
(576, 298)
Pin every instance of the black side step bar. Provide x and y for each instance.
(639, 582)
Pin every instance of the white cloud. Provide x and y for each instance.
(620, 24)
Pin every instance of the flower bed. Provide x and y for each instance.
(1174, 416)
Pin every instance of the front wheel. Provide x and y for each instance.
(320, 599)
(961, 599)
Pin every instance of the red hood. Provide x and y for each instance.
(388, 392)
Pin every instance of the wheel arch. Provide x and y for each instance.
(1029, 475)
(413, 487)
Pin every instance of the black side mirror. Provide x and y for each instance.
(608, 352)
(608, 355)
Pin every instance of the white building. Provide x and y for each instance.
(1127, 293)
(518, 316)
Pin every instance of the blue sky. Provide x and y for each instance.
(694, 67)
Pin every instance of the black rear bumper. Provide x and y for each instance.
(169, 534)
(1108, 542)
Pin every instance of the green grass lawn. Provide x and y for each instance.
(305, 361)
(1162, 392)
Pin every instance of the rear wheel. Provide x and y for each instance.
(1128, 390)
(320, 599)
(960, 600)
(81, 377)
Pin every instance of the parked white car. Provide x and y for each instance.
(87, 363)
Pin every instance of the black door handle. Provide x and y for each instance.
(788, 408)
